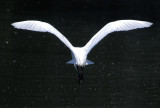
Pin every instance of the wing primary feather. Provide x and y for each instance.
(40, 26)
(120, 25)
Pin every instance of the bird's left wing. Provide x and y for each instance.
(120, 25)
(40, 26)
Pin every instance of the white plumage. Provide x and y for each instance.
(41, 27)
(79, 54)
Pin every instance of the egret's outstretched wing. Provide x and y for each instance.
(42, 27)
(120, 25)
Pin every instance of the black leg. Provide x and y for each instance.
(80, 74)
(80, 77)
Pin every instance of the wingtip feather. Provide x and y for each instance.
(149, 24)
(15, 25)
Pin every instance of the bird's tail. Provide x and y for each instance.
(88, 62)
(73, 61)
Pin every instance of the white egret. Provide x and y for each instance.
(79, 54)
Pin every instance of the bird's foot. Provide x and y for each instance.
(80, 79)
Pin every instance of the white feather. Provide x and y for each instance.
(79, 54)
(42, 27)
(120, 25)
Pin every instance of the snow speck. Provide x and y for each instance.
(6, 42)
(14, 61)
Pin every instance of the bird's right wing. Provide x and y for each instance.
(41, 27)
(120, 25)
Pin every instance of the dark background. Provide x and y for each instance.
(33, 69)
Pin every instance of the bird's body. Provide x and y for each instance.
(79, 54)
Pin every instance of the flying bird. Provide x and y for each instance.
(79, 54)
